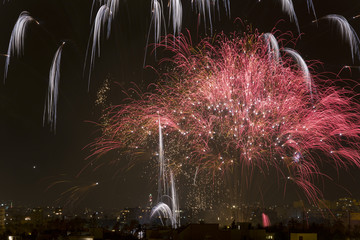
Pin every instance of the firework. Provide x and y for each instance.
(304, 68)
(50, 109)
(346, 31)
(310, 5)
(176, 11)
(273, 46)
(16, 44)
(103, 15)
(74, 189)
(203, 7)
(228, 104)
(288, 8)
(165, 212)
(166, 190)
(157, 20)
(265, 220)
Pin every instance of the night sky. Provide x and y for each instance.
(33, 158)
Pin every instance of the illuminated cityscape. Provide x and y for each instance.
(102, 223)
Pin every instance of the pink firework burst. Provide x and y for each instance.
(227, 102)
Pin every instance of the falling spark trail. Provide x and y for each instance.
(103, 15)
(93, 8)
(203, 7)
(303, 66)
(157, 17)
(273, 46)
(347, 32)
(176, 12)
(310, 5)
(114, 8)
(227, 7)
(16, 44)
(50, 109)
(288, 8)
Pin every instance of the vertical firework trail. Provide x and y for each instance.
(161, 182)
(166, 190)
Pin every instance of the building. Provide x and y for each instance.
(2, 219)
(81, 238)
(303, 236)
(200, 231)
(37, 216)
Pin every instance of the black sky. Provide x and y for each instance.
(25, 143)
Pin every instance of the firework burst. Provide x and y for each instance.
(227, 104)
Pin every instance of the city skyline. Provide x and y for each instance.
(38, 165)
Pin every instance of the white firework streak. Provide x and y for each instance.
(166, 189)
(101, 2)
(113, 5)
(288, 8)
(273, 46)
(227, 7)
(203, 7)
(164, 211)
(103, 15)
(310, 5)
(174, 202)
(50, 109)
(303, 66)
(157, 19)
(347, 32)
(176, 12)
(114, 8)
(16, 44)
(161, 181)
